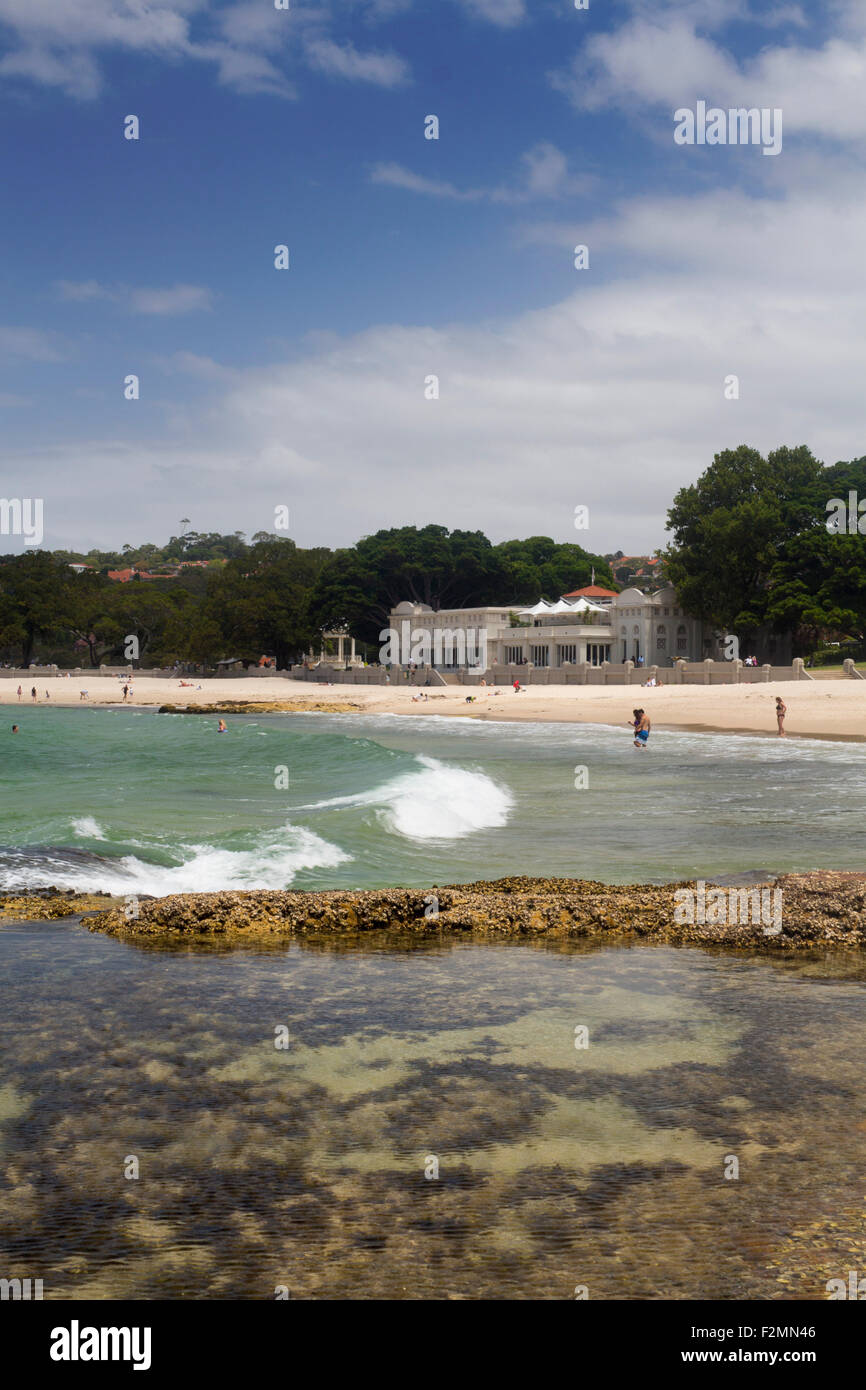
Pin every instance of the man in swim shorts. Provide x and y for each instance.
(642, 726)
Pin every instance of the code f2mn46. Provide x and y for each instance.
(743, 1333)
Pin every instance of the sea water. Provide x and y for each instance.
(429, 1118)
(344, 1120)
(134, 801)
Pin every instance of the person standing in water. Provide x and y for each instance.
(642, 725)
(781, 711)
(221, 727)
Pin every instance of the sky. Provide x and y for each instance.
(606, 387)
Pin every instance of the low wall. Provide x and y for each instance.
(332, 675)
(626, 673)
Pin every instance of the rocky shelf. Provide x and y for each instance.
(822, 909)
(266, 707)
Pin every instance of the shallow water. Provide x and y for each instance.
(558, 1166)
(130, 801)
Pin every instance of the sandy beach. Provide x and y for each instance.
(830, 709)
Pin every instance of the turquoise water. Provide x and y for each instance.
(130, 800)
(431, 1130)
(308, 1168)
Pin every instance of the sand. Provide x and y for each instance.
(832, 709)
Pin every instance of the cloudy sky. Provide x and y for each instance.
(410, 258)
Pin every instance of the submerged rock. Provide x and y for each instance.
(790, 912)
(44, 904)
(266, 707)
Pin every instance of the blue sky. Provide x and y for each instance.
(412, 257)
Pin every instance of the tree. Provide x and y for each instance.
(35, 599)
(361, 586)
(260, 602)
(731, 528)
(542, 568)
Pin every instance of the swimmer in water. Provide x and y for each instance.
(15, 728)
(221, 727)
(642, 725)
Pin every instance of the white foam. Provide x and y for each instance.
(273, 863)
(86, 828)
(436, 802)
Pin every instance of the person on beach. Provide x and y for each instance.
(20, 692)
(48, 694)
(82, 695)
(125, 693)
(221, 727)
(33, 693)
(516, 685)
(781, 711)
(641, 725)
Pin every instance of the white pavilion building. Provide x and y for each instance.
(590, 626)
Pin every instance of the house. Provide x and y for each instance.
(589, 626)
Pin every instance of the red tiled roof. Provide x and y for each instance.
(592, 591)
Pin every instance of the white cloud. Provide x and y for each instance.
(663, 61)
(612, 398)
(344, 60)
(81, 291)
(179, 299)
(505, 14)
(546, 170)
(29, 344)
(544, 174)
(400, 177)
(60, 45)
(245, 71)
(73, 71)
(77, 23)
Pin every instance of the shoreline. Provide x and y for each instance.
(816, 710)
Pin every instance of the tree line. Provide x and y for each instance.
(269, 598)
(757, 543)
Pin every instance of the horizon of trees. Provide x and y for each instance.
(270, 597)
(751, 551)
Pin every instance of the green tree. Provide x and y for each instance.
(732, 527)
(260, 601)
(35, 600)
(444, 569)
